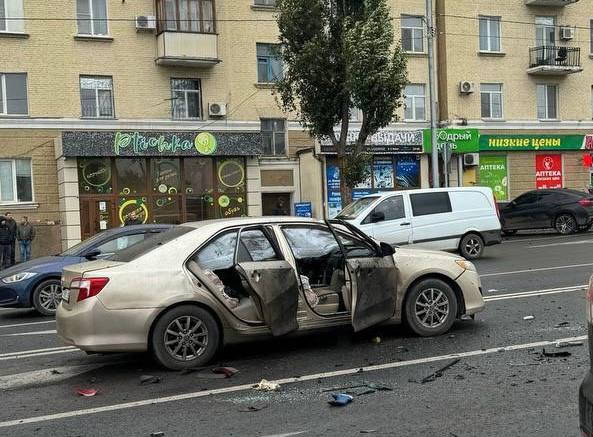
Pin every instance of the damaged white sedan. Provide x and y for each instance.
(185, 293)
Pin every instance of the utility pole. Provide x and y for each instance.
(431, 95)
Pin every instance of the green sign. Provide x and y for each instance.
(459, 140)
(493, 174)
(501, 143)
(204, 143)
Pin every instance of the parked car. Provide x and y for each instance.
(188, 291)
(455, 219)
(586, 388)
(565, 210)
(36, 283)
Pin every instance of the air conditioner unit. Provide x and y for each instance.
(567, 32)
(217, 109)
(466, 87)
(145, 22)
(471, 159)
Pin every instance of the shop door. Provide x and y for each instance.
(276, 204)
(96, 215)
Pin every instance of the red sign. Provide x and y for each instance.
(548, 171)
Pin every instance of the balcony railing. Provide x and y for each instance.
(187, 49)
(554, 60)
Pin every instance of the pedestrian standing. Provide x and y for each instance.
(25, 233)
(11, 223)
(4, 243)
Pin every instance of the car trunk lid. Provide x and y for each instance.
(70, 295)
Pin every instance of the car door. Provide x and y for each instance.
(520, 212)
(390, 221)
(542, 213)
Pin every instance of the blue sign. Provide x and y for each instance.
(357, 194)
(303, 209)
(334, 199)
(407, 171)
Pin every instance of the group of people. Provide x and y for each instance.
(10, 233)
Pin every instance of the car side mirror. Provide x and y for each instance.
(377, 216)
(93, 254)
(387, 249)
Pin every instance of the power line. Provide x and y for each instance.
(501, 20)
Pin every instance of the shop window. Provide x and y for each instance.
(407, 171)
(186, 98)
(13, 93)
(230, 199)
(137, 204)
(11, 16)
(415, 103)
(15, 181)
(383, 174)
(199, 187)
(165, 176)
(270, 3)
(186, 16)
(91, 16)
(131, 176)
(547, 102)
(491, 100)
(94, 176)
(166, 209)
(274, 135)
(412, 34)
(269, 64)
(490, 34)
(96, 96)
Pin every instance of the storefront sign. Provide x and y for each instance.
(149, 143)
(303, 209)
(493, 174)
(548, 171)
(407, 172)
(458, 140)
(385, 141)
(334, 199)
(534, 142)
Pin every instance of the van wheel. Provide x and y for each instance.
(47, 296)
(185, 337)
(565, 224)
(471, 246)
(431, 307)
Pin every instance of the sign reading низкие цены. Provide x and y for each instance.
(527, 142)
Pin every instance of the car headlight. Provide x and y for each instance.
(466, 265)
(18, 277)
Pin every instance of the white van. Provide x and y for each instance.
(463, 219)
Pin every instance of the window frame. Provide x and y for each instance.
(265, 3)
(274, 134)
(490, 106)
(92, 20)
(16, 200)
(413, 30)
(268, 62)
(200, 115)
(4, 101)
(546, 105)
(11, 23)
(97, 116)
(267, 234)
(490, 19)
(414, 98)
(162, 18)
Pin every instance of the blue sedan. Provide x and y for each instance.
(37, 283)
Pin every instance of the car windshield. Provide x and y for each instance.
(147, 245)
(355, 208)
(83, 246)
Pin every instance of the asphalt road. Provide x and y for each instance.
(501, 385)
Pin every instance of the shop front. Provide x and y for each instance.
(159, 177)
(397, 163)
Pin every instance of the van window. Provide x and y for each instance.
(469, 201)
(392, 207)
(355, 208)
(430, 203)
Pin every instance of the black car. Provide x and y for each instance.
(565, 210)
(586, 389)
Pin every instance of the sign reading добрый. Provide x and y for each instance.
(493, 174)
(458, 140)
(501, 143)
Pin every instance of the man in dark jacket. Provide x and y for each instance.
(11, 223)
(25, 233)
(4, 243)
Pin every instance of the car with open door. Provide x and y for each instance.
(189, 291)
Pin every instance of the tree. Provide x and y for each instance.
(339, 55)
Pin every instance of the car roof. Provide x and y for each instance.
(246, 221)
(425, 190)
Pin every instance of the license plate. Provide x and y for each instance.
(66, 295)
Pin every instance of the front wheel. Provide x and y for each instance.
(185, 337)
(431, 307)
(565, 224)
(471, 246)
(47, 296)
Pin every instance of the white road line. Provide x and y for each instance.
(551, 237)
(18, 334)
(542, 269)
(37, 352)
(26, 324)
(535, 293)
(288, 434)
(566, 243)
(292, 380)
(11, 382)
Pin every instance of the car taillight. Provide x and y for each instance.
(88, 287)
(589, 296)
(586, 202)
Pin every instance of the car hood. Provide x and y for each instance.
(425, 253)
(41, 265)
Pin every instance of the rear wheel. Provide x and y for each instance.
(47, 296)
(431, 307)
(471, 246)
(565, 224)
(185, 337)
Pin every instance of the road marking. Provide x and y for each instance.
(18, 334)
(37, 352)
(288, 434)
(292, 380)
(514, 272)
(26, 324)
(551, 237)
(567, 243)
(535, 293)
(11, 382)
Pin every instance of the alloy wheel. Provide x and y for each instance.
(432, 307)
(473, 247)
(566, 224)
(186, 338)
(50, 296)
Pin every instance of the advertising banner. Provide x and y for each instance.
(386, 141)
(527, 142)
(548, 171)
(383, 173)
(458, 140)
(334, 200)
(493, 174)
(407, 172)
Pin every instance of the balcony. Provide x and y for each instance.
(187, 49)
(555, 3)
(554, 60)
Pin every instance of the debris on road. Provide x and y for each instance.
(439, 372)
(568, 343)
(361, 389)
(561, 324)
(157, 434)
(253, 408)
(528, 317)
(559, 354)
(226, 371)
(368, 431)
(149, 379)
(377, 340)
(86, 392)
(55, 372)
(266, 385)
(340, 399)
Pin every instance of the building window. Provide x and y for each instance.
(11, 16)
(13, 94)
(15, 181)
(489, 34)
(269, 3)
(547, 102)
(545, 31)
(91, 16)
(491, 100)
(269, 64)
(412, 34)
(186, 16)
(96, 96)
(186, 98)
(274, 134)
(415, 103)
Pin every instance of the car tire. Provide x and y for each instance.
(509, 232)
(471, 246)
(419, 296)
(565, 224)
(207, 340)
(46, 297)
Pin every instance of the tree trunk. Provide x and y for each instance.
(345, 190)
